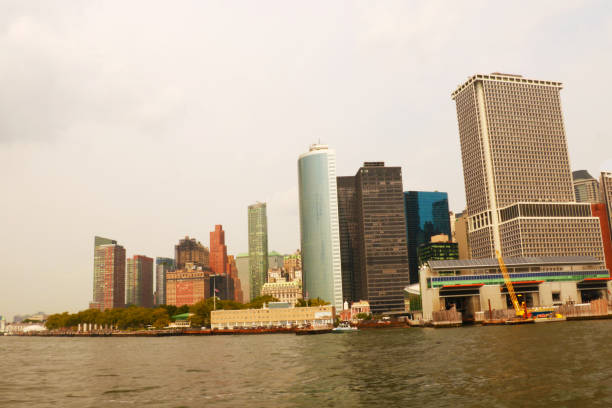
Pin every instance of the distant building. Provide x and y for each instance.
(139, 281)
(461, 236)
(109, 274)
(189, 250)
(373, 221)
(437, 251)
(223, 285)
(276, 260)
(292, 263)
(599, 211)
(281, 315)
(244, 274)
(606, 192)
(187, 286)
(360, 307)
(232, 272)
(258, 247)
(288, 292)
(218, 251)
(319, 235)
(518, 185)
(586, 187)
(162, 267)
(2, 324)
(427, 215)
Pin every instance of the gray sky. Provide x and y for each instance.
(147, 121)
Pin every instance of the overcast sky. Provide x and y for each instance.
(148, 121)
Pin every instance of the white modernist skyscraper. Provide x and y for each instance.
(320, 237)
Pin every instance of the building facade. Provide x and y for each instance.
(519, 190)
(162, 267)
(288, 292)
(273, 316)
(427, 215)
(599, 211)
(376, 230)
(109, 274)
(437, 251)
(139, 281)
(461, 236)
(258, 248)
(187, 286)
(586, 188)
(319, 234)
(244, 274)
(232, 272)
(218, 251)
(189, 250)
(606, 193)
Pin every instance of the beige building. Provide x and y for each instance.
(586, 187)
(274, 315)
(461, 236)
(606, 192)
(288, 292)
(519, 189)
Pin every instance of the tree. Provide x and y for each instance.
(311, 302)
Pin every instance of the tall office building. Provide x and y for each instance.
(586, 187)
(162, 267)
(139, 281)
(109, 274)
(189, 250)
(606, 193)
(244, 274)
(518, 185)
(232, 272)
(218, 251)
(258, 248)
(373, 234)
(320, 240)
(461, 236)
(427, 215)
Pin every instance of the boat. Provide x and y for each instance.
(344, 328)
(311, 330)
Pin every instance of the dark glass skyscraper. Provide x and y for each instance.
(426, 216)
(372, 236)
(162, 267)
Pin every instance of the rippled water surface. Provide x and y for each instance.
(557, 364)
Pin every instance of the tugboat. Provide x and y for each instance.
(344, 327)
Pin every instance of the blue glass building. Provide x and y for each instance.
(426, 216)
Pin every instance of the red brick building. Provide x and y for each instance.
(109, 277)
(218, 251)
(599, 211)
(186, 286)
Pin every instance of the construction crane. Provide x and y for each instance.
(520, 311)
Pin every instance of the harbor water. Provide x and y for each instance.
(558, 364)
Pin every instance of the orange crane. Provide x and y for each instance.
(521, 310)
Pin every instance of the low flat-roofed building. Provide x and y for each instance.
(470, 285)
(286, 316)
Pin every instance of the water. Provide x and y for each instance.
(556, 364)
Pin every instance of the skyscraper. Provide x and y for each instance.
(586, 187)
(139, 281)
(606, 193)
(162, 267)
(189, 250)
(258, 248)
(320, 240)
(373, 237)
(244, 274)
(426, 216)
(218, 251)
(519, 191)
(109, 274)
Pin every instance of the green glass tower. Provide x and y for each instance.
(258, 248)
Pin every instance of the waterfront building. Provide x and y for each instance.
(109, 274)
(586, 187)
(258, 248)
(360, 307)
(218, 251)
(189, 250)
(461, 235)
(469, 285)
(437, 251)
(162, 267)
(288, 292)
(139, 281)
(606, 192)
(187, 286)
(519, 190)
(427, 215)
(374, 223)
(599, 211)
(319, 234)
(273, 315)
(347, 226)
(2, 324)
(244, 274)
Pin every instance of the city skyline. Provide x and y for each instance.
(73, 176)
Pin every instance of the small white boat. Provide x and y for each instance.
(549, 319)
(344, 328)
